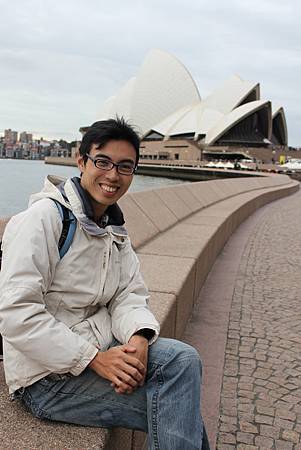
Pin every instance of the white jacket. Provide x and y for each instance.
(56, 313)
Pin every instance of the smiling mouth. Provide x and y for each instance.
(109, 189)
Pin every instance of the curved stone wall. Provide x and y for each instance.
(178, 232)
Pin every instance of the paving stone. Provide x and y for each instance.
(230, 412)
(249, 355)
(247, 394)
(246, 379)
(266, 398)
(264, 419)
(247, 447)
(228, 419)
(297, 427)
(225, 447)
(231, 381)
(296, 408)
(247, 349)
(265, 365)
(272, 385)
(291, 436)
(276, 394)
(227, 438)
(291, 399)
(270, 431)
(228, 428)
(248, 427)
(245, 417)
(290, 386)
(262, 373)
(246, 407)
(250, 362)
(245, 438)
(284, 405)
(228, 402)
(285, 424)
(265, 410)
(261, 389)
(265, 442)
(286, 391)
(245, 386)
(285, 414)
(283, 445)
(227, 392)
(261, 382)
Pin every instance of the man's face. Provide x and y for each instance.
(105, 187)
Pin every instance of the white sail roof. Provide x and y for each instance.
(278, 112)
(191, 119)
(202, 116)
(234, 117)
(231, 94)
(162, 86)
(164, 98)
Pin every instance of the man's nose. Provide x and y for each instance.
(112, 174)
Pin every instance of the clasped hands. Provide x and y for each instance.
(125, 365)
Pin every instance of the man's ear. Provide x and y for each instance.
(80, 163)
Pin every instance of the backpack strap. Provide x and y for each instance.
(68, 231)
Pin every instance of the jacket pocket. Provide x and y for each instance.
(96, 329)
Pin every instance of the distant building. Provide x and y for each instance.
(10, 136)
(25, 138)
(28, 148)
(75, 150)
(57, 151)
(2, 148)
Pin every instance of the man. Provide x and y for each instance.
(80, 344)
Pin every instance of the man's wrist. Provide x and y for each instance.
(94, 361)
(147, 333)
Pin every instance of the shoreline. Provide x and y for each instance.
(184, 170)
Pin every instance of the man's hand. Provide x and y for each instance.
(121, 366)
(141, 345)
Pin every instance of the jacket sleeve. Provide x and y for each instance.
(30, 255)
(129, 308)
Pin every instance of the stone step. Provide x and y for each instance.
(20, 430)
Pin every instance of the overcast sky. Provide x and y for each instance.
(59, 60)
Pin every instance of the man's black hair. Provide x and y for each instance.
(103, 131)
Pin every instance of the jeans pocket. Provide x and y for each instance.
(52, 381)
(33, 406)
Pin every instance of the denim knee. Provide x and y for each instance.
(187, 352)
(175, 351)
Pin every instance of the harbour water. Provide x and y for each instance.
(20, 178)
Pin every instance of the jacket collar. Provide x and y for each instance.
(81, 207)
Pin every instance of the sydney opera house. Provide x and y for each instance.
(175, 122)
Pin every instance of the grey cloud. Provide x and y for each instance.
(60, 60)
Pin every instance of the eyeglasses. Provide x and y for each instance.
(124, 168)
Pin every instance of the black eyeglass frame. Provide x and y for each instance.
(111, 165)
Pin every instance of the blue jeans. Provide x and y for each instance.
(167, 407)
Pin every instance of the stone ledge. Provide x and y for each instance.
(19, 430)
(177, 261)
(177, 249)
(149, 213)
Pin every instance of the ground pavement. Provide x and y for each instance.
(247, 327)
